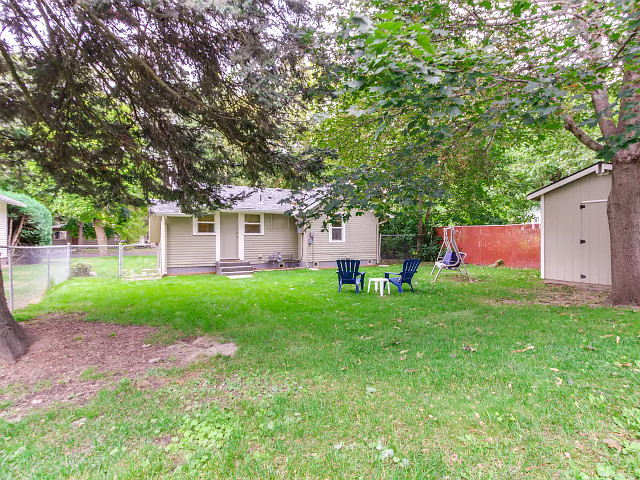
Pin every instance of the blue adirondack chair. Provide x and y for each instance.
(409, 268)
(348, 274)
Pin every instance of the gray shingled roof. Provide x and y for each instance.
(258, 199)
(11, 201)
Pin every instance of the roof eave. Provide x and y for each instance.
(11, 201)
(598, 168)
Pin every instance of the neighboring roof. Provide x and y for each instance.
(256, 199)
(599, 168)
(11, 201)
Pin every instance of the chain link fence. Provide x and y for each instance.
(395, 248)
(139, 262)
(28, 272)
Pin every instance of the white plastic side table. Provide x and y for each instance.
(379, 283)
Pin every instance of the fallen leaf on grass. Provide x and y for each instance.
(612, 443)
(419, 354)
(607, 336)
(530, 347)
(589, 347)
(469, 348)
(558, 381)
(554, 369)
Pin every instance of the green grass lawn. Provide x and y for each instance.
(107, 267)
(435, 384)
(30, 281)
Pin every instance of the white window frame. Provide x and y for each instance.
(244, 224)
(342, 228)
(196, 222)
(62, 235)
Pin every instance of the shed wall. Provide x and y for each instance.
(565, 224)
(184, 249)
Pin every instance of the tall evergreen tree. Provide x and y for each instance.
(170, 97)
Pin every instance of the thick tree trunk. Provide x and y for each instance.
(80, 233)
(623, 210)
(13, 340)
(101, 237)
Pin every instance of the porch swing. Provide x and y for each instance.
(449, 256)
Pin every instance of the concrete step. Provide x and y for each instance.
(233, 263)
(235, 270)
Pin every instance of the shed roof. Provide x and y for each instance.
(598, 168)
(256, 199)
(11, 201)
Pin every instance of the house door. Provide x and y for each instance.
(228, 236)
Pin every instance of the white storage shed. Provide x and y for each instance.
(575, 230)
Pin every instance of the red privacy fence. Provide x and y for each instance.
(516, 245)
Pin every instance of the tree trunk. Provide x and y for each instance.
(14, 231)
(101, 237)
(13, 340)
(623, 210)
(80, 233)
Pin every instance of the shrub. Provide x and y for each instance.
(36, 227)
(81, 269)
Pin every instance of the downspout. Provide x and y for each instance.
(379, 240)
(163, 246)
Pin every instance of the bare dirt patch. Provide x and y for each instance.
(71, 359)
(561, 295)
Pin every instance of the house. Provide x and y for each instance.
(574, 240)
(4, 222)
(60, 236)
(256, 234)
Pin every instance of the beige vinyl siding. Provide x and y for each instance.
(154, 228)
(280, 235)
(565, 224)
(4, 226)
(184, 249)
(361, 241)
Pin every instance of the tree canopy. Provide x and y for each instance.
(124, 100)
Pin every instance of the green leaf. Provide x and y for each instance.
(393, 27)
(425, 42)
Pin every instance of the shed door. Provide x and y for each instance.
(594, 250)
(228, 236)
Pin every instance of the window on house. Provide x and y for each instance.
(60, 235)
(205, 225)
(253, 223)
(336, 231)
